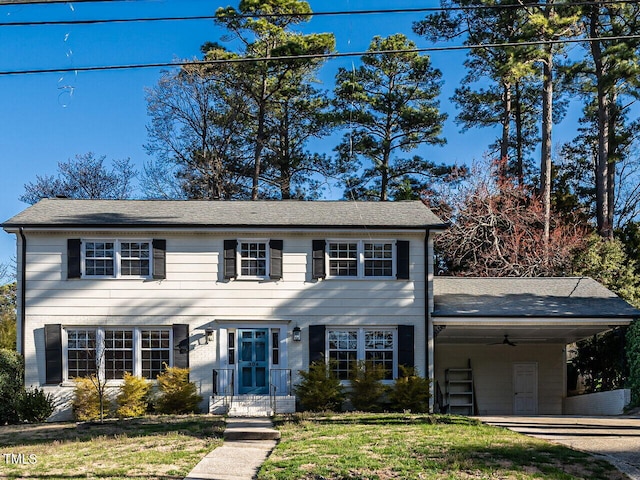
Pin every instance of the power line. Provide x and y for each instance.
(308, 57)
(46, 2)
(281, 15)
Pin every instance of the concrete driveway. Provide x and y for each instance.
(616, 439)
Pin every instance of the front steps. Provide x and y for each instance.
(247, 429)
(251, 405)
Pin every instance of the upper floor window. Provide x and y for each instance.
(256, 259)
(116, 258)
(361, 258)
(253, 259)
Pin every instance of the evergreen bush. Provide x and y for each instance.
(633, 359)
(176, 393)
(133, 397)
(410, 392)
(35, 406)
(11, 385)
(366, 388)
(86, 400)
(320, 388)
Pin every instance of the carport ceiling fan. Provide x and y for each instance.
(505, 341)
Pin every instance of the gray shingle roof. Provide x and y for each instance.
(56, 213)
(569, 297)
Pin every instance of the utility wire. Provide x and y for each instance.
(282, 15)
(309, 57)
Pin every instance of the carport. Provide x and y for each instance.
(500, 344)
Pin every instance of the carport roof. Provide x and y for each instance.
(487, 311)
(556, 297)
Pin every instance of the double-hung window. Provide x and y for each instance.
(112, 352)
(374, 346)
(117, 258)
(99, 259)
(361, 258)
(254, 258)
(134, 259)
(118, 353)
(155, 351)
(81, 352)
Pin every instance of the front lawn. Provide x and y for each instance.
(400, 446)
(156, 447)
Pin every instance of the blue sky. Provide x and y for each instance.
(48, 118)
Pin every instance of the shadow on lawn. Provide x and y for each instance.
(551, 460)
(376, 419)
(199, 426)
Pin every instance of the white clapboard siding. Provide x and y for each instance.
(194, 292)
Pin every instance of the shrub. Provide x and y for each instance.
(177, 393)
(133, 397)
(86, 400)
(35, 406)
(366, 389)
(320, 388)
(633, 357)
(11, 385)
(410, 392)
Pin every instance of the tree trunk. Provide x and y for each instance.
(547, 125)
(519, 137)
(611, 163)
(602, 160)
(506, 124)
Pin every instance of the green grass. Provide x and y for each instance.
(399, 446)
(157, 447)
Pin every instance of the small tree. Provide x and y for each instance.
(410, 392)
(132, 400)
(366, 387)
(87, 404)
(320, 388)
(177, 393)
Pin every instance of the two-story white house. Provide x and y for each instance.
(247, 294)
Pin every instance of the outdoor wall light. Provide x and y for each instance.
(208, 334)
(297, 334)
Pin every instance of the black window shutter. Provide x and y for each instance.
(406, 346)
(402, 259)
(73, 258)
(180, 345)
(316, 343)
(275, 259)
(159, 259)
(317, 259)
(53, 353)
(229, 267)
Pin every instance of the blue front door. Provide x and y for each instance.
(253, 364)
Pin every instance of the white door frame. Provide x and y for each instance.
(534, 387)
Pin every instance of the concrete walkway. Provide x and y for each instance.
(247, 444)
(616, 439)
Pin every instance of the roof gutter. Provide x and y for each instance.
(23, 289)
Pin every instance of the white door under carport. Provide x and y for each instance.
(525, 388)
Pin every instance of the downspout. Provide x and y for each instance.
(429, 370)
(23, 290)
